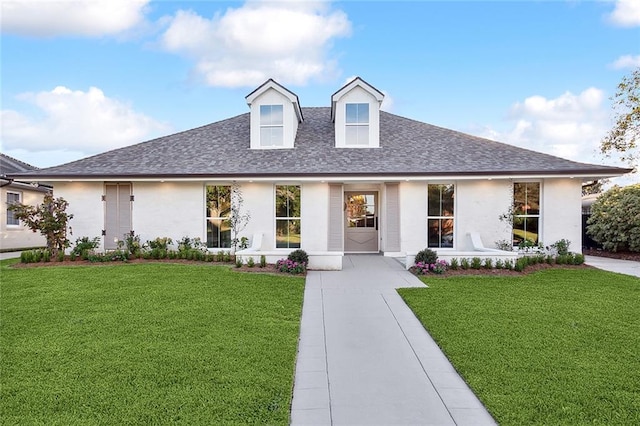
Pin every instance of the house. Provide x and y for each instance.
(348, 178)
(14, 235)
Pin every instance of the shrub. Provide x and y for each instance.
(84, 246)
(220, 256)
(28, 256)
(508, 264)
(563, 259)
(561, 247)
(291, 266)
(476, 263)
(132, 244)
(454, 264)
(549, 259)
(578, 259)
(499, 264)
(615, 219)
(464, 263)
(439, 267)
(426, 256)
(488, 263)
(263, 261)
(251, 263)
(505, 245)
(299, 256)
(60, 256)
(521, 264)
(238, 262)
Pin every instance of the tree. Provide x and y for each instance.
(594, 186)
(615, 219)
(50, 218)
(237, 220)
(623, 138)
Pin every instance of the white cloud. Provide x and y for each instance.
(626, 61)
(48, 18)
(288, 41)
(569, 126)
(75, 121)
(626, 13)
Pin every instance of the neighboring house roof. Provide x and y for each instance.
(11, 166)
(407, 148)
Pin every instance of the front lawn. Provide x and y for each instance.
(147, 343)
(553, 347)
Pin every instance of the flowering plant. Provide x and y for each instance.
(291, 266)
(422, 268)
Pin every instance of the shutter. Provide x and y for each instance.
(392, 234)
(336, 217)
(117, 221)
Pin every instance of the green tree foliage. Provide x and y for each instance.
(50, 218)
(615, 219)
(623, 138)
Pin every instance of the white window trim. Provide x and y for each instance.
(277, 218)
(455, 222)
(539, 215)
(207, 218)
(262, 126)
(12, 225)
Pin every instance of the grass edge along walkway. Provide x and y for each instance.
(552, 347)
(147, 343)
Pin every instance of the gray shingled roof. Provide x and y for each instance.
(10, 165)
(407, 147)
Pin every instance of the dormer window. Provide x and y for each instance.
(271, 125)
(357, 124)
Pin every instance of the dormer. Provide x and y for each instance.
(275, 115)
(355, 111)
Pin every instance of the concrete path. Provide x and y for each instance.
(628, 267)
(9, 255)
(365, 359)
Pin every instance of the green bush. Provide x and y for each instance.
(299, 256)
(84, 246)
(615, 219)
(499, 264)
(521, 264)
(561, 246)
(464, 263)
(488, 263)
(251, 263)
(426, 256)
(161, 243)
(132, 244)
(238, 262)
(508, 264)
(550, 260)
(263, 261)
(476, 263)
(578, 259)
(455, 263)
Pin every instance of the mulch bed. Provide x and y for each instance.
(623, 255)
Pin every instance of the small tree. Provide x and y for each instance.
(50, 218)
(237, 220)
(615, 219)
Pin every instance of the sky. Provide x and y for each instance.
(80, 78)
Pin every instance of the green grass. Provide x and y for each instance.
(147, 343)
(554, 347)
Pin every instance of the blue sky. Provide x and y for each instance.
(83, 78)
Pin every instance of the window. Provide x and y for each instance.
(287, 216)
(218, 213)
(526, 212)
(440, 215)
(357, 124)
(271, 125)
(12, 198)
(361, 211)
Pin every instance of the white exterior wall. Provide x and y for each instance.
(315, 216)
(561, 212)
(413, 216)
(478, 206)
(361, 96)
(169, 209)
(19, 236)
(87, 207)
(290, 120)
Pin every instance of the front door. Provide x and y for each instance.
(361, 222)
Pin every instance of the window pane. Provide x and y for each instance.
(218, 201)
(218, 234)
(433, 226)
(447, 200)
(357, 135)
(357, 113)
(526, 198)
(433, 203)
(288, 233)
(12, 198)
(525, 227)
(271, 115)
(272, 136)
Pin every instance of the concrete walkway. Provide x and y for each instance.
(628, 267)
(365, 359)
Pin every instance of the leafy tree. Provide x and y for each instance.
(594, 186)
(615, 219)
(623, 138)
(50, 218)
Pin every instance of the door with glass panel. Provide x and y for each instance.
(361, 222)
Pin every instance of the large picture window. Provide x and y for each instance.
(218, 213)
(357, 124)
(271, 125)
(12, 198)
(440, 216)
(526, 212)
(287, 216)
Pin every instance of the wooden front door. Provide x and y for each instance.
(361, 222)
